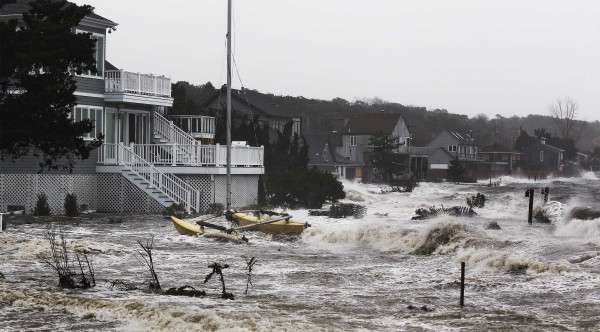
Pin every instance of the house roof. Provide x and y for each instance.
(322, 152)
(258, 102)
(22, 6)
(498, 148)
(371, 124)
(460, 135)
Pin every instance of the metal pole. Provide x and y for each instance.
(529, 193)
(1, 214)
(462, 284)
(228, 195)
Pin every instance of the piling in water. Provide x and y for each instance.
(462, 284)
(529, 193)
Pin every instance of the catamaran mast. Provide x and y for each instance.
(228, 197)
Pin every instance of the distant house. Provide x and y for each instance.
(146, 162)
(250, 103)
(500, 160)
(322, 155)
(543, 158)
(355, 142)
(451, 144)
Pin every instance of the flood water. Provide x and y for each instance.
(384, 272)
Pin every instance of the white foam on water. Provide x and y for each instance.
(585, 229)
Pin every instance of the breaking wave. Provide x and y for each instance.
(440, 237)
(490, 260)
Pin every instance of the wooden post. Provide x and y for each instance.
(1, 214)
(529, 193)
(462, 284)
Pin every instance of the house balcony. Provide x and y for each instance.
(128, 87)
(198, 126)
(192, 159)
(415, 151)
(469, 157)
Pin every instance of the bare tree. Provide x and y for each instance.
(564, 115)
(147, 247)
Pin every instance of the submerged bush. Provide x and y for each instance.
(71, 206)
(346, 210)
(42, 208)
(176, 209)
(476, 201)
(215, 209)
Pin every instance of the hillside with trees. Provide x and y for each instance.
(324, 116)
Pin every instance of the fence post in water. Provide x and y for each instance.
(529, 193)
(462, 284)
(545, 192)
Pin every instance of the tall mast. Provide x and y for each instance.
(228, 199)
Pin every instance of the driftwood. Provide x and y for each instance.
(218, 269)
(342, 210)
(432, 211)
(249, 265)
(185, 291)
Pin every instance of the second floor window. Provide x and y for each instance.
(353, 140)
(94, 114)
(451, 148)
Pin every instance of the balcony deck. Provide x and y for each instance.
(125, 86)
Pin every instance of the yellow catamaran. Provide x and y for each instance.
(263, 221)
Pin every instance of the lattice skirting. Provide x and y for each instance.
(244, 189)
(117, 194)
(22, 190)
(112, 192)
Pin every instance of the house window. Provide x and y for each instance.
(353, 140)
(451, 148)
(541, 156)
(95, 114)
(98, 55)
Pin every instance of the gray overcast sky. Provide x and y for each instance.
(469, 57)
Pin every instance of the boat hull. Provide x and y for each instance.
(185, 228)
(278, 227)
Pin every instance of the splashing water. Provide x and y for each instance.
(383, 272)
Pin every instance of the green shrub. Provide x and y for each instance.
(215, 209)
(71, 206)
(175, 209)
(42, 208)
(303, 188)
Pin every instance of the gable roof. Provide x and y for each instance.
(461, 135)
(322, 152)
(371, 124)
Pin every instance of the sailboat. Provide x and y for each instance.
(255, 220)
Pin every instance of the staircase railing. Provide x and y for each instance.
(169, 184)
(170, 131)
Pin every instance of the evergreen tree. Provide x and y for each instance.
(455, 170)
(37, 62)
(384, 158)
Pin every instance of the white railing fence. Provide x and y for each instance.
(169, 184)
(148, 84)
(170, 131)
(200, 155)
(195, 125)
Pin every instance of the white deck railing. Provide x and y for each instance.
(130, 82)
(200, 155)
(413, 150)
(198, 126)
(169, 184)
(185, 155)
